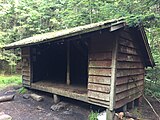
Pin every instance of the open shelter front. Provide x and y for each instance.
(101, 63)
(62, 64)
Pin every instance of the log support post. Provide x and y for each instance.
(68, 63)
(124, 108)
(110, 114)
(56, 98)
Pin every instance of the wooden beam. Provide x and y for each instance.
(68, 63)
(113, 73)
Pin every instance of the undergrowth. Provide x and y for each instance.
(7, 80)
(93, 115)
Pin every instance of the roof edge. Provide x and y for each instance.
(113, 25)
(145, 40)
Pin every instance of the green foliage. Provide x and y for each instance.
(22, 90)
(10, 80)
(93, 115)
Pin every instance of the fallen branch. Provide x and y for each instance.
(156, 99)
(6, 98)
(151, 107)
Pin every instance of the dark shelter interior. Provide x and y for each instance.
(50, 62)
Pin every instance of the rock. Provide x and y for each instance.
(102, 116)
(39, 108)
(6, 98)
(59, 106)
(36, 97)
(4, 116)
(26, 96)
(10, 92)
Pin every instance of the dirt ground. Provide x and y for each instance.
(29, 109)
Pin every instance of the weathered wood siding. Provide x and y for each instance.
(25, 53)
(130, 70)
(100, 59)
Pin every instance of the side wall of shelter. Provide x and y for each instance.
(100, 65)
(26, 66)
(130, 70)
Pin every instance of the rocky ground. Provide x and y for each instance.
(29, 109)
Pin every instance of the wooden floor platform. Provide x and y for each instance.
(75, 92)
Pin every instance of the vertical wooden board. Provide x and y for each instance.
(113, 72)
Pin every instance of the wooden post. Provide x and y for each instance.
(125, 108)
(56, 98)
(113, 74)
(109, 114)
(68, 63)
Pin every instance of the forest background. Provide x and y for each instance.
(24, 18)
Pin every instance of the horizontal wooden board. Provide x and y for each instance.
(99, 88)
(127, 50)
(100, 56)
(126, 79)
(126, 65)
(26, 67)
(99, 64)
(101, 42)
(125, 87)
(129, 72)
(127, 100)
(126, 35)
(129, 92)
(99, 102)
(26, 73)
(24, 77)
(129, 58)
(25, 51)
(98, 95)
(99, 79)
(26, 82)
(127, 43)
(100, 72)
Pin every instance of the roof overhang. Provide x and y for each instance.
(112, 25)
(150, 61)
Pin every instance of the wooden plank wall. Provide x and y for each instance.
(25, 53)
(130, 70)
(100, 58)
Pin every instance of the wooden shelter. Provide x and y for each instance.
(101, 63)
